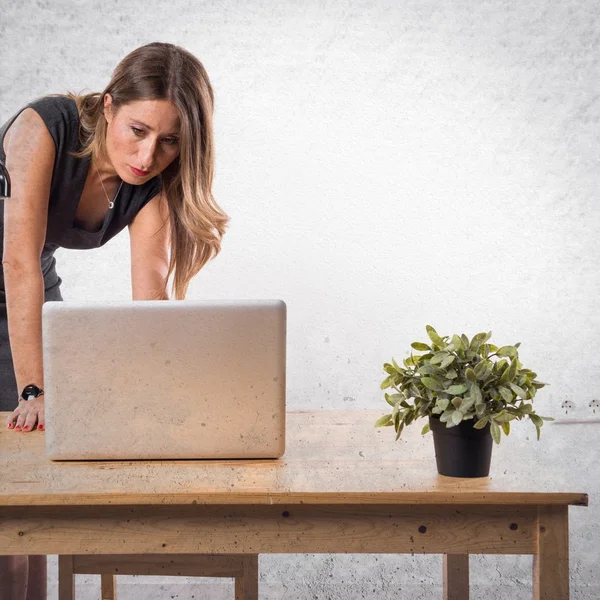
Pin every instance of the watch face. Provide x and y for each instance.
(31, 390)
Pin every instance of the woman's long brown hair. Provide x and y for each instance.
(160, 71)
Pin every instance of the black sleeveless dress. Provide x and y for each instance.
(59, 113)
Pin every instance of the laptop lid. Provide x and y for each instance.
(164, 379)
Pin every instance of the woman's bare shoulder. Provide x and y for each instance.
(27, 134)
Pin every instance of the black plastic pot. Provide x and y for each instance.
(462, 451)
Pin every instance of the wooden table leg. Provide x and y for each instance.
(66, 578)
(551, 563)
(456, 577)
(246, 586)
(108, 584)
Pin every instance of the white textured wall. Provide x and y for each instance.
(386, 164)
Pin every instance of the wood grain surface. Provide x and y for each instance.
(243, 529)
(332, 457)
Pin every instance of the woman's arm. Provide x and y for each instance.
(149, 239)
(30, 156)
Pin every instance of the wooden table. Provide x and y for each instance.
(342, 487)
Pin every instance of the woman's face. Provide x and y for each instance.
(142, 138)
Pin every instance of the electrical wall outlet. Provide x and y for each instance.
(567, 407)
(571, 413)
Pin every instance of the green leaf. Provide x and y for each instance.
(414, 391)
(386, 383)
(481, 423)
(451, 374)
(389, 369)
(506, 428)
(442, 403)
(438, 357)
(424, 409)
(429, 370)
(447, 361)
(470, 374)
(475, 393)
(507, 351)
(520, 392)
(501, 366)
(399, 431)
(446, 416)
(495, 431)
(525, 408)
(537, 420)
(432, 384)
(512, 370)
(487, 349)
(389, 401)
(457, 417)
(395, 398)
(505, 393)
(426, 429)
(434, 337)
(456, 402)
(504, 417)
(480, 367)
(457, 342)
(399, 369)
(477, 341)
(465, 341)
(420, 346)
(466, 404)
(487, 372)
(384, 421)
(456, 390)
(479, 408)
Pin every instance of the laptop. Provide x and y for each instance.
(165, 379)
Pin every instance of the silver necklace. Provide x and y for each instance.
(111, 203)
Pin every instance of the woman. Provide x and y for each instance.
(140, 154)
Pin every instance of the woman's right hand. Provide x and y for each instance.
(27, 415)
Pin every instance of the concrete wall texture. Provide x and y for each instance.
(386, 164)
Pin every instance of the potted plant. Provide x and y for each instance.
(470, 390)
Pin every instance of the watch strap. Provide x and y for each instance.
(31, 391)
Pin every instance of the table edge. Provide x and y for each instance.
(265, 499)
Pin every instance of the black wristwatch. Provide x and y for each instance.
(31, 391)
